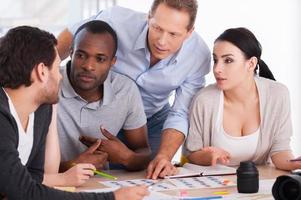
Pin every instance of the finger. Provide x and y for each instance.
(85, 142)
(168, 169)
(85, 177)
(105, 145)
(223, 160)
(208, 149)
(88, 172)
(150, 170)
(88, 166)
(174, 171)
(214, 160)
(227, 154)
(87, 139)
(107, 134)
(163, 173)
(159, 167)
(102, 158)
(93, 147)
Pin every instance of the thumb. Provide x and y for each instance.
(94, 147)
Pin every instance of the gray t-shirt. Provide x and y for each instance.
(120, 108)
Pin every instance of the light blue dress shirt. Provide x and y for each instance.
(183, 72)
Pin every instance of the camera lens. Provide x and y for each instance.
(247, 177)
(290, 189)
(287, 187)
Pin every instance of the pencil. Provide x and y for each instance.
(100, 173)
(105, 175)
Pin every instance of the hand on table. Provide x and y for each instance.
(160, 167)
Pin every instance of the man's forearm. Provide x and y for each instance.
(171, 140)
(138, 160)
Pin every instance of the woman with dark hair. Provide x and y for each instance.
(245, 115)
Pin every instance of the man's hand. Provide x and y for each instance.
(160, 167)
(87, 140)
(93, 156)
(117, 151)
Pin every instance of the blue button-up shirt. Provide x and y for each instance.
(183, 72)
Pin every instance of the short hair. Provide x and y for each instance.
(190, 6)
(98, 27)
(246, 41)
(21, 49)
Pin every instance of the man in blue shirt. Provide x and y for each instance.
(162, 54)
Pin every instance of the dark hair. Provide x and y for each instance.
(21, 49)
(191, 6)
(246, 41)
(98, 27)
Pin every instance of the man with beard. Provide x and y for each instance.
(29, 80)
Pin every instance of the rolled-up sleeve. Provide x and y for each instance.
(178, 115)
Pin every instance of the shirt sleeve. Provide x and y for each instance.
(178, 115)
(282, 139)
(136, 117)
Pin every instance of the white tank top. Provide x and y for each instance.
(240, 148)
(25, 138)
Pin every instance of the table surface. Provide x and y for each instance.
(265, 172)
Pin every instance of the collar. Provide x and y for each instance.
(69, 92)
(141, 42)
(4, 100)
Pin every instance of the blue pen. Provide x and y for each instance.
(203, 198)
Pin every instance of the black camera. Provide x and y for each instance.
(287, 187)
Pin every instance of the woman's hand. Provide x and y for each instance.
(78, 174)
(216, 155)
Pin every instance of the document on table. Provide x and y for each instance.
(157, 185)
(201, 182)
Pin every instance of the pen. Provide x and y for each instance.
(203, 198)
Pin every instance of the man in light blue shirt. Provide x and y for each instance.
(161, 53)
